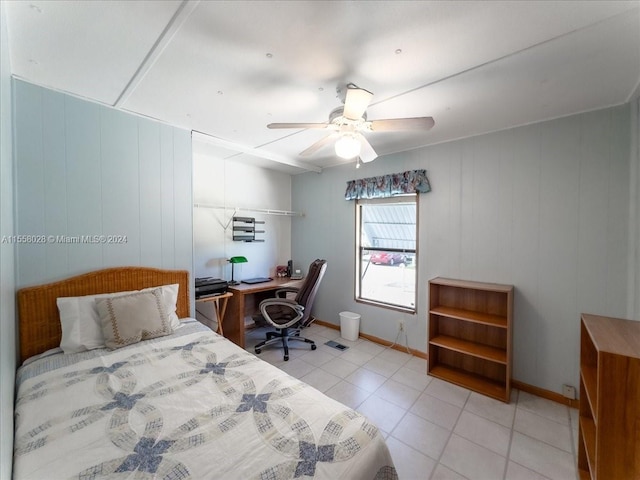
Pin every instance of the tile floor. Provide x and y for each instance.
(435, 430)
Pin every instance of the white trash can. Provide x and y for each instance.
(349, 325)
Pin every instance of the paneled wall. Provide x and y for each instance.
(544, 207)
(7, 250)
(84, 170)
(231, 184)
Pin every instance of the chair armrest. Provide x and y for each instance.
(288, 302)
(282, 292)
(298, 310)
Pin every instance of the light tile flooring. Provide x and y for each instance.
(435, 430)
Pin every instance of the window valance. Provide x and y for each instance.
(384, 186)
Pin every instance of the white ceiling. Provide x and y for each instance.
(228, 68)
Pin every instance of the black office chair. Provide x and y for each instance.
(289, 316)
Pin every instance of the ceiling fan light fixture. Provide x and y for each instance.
(348, 147)
(348, 122)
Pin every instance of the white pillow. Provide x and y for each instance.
(128, 319)
(81, 329)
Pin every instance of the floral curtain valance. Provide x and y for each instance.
(384, 186)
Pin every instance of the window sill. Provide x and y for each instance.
(396, 308)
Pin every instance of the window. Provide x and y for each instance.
(386, 256)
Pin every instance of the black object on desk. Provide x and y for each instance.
(252, 281)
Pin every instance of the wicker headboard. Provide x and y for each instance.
(39, 321)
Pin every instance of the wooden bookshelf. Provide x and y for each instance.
(609, 426)
(470, 335)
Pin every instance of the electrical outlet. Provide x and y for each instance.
(401, 325)
(569, 392)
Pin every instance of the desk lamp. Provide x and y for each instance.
(233, 261)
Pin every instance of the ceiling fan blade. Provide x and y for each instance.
(318, 145)
(356, 102)
(298, 125)
(367, 153)
(391, 124)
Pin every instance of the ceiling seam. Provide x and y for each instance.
(216, 141)
(183, 12)
(634, 91)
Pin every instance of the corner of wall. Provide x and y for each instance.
(8, 347)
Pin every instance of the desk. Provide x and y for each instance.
(246, 300)
(218, 307)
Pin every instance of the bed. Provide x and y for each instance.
(184, 405)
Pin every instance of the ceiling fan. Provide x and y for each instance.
(350, 120)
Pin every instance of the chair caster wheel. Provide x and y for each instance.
(313, 347)
(258, 350)
(286, 358)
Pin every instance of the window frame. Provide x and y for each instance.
(359, 249)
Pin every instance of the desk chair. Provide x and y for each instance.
(289, 316)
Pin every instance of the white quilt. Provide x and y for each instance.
(188, 406)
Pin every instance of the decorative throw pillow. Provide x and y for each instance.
(81, 329)
(127, 319)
